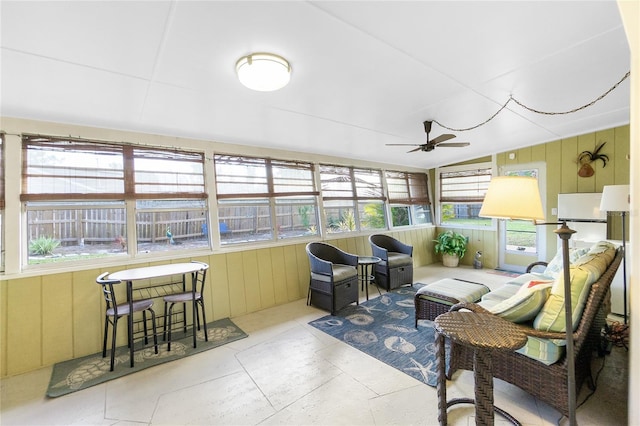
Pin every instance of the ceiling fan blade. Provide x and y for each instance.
(455, 144)
(402, 144)
(416, 149)
(442, 138)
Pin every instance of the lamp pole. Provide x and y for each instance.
(624, 268)
(564, 233)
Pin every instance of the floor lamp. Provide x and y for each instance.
(518, 197)
(616, 198)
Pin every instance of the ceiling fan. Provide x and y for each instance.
(432, 143)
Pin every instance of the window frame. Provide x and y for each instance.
(2, 200)
(414, 193)
(269, 186)
(483, 169)
(127, 174)
(135, 173)
(367, 187)
(348, 190)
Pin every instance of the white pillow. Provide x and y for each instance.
(555, 266)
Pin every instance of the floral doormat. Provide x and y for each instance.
(503, 272)
(383, 327)
(81, 373)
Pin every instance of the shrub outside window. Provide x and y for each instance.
(75, 230)
(353, 199)
(263, 199)
(76, 195)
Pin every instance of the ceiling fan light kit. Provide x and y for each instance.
(264, 72)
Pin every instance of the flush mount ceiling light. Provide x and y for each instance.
(264, 72)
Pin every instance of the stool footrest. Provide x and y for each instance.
(438, 297)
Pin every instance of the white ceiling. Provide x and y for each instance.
(365, 73)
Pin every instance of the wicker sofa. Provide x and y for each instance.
(549, 382)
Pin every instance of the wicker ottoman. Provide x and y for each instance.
(436, 298)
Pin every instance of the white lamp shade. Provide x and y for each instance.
(513, 197)
(615, 198)
(263, 72)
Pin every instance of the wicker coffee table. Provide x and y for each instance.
(484, 333)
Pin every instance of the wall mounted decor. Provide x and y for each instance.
(587, 157)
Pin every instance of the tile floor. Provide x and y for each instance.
(288, 373)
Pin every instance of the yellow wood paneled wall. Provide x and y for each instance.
(479, 240)
(50, 318)
(562, 177)
(562, 170)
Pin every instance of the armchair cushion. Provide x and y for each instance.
(398, 259)
(339, 272)
(343, 272)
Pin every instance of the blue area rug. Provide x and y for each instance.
(384, 328)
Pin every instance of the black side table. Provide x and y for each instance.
(365, 273)
(484, 333)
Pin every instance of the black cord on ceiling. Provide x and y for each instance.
(537, 111)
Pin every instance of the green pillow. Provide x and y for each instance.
(526, 303)
(584, 272)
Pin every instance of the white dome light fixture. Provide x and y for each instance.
(263, 72)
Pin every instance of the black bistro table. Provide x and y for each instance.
(187, 270)
(365, 273)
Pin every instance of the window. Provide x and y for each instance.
(462, 191)
(171, 208)
(66, 231)
(2, 171)
(353, 199)
(263, 199)
(522, 235)
(408, 198)
(77, 194)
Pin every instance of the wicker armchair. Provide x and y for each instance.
(396, 267)
(334, 277)
(548, 382)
